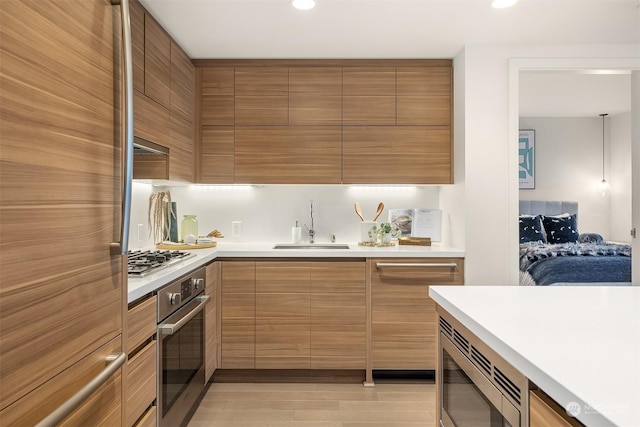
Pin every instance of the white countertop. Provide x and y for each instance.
(139, 287)
(577, 343)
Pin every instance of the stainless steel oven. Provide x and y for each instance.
(181, 347)
(476, 387)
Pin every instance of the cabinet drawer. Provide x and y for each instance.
(432, 271)
(102, 408)
(543, 412)
(141, 320)
(141, 382)
(149, 418)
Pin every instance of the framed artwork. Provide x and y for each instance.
(526, 158)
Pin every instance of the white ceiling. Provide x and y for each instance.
(412, 29)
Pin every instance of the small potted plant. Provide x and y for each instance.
(381, 234)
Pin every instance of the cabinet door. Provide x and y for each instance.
(288, 155)
(157, 62)
(180, 149)
(136, 16)
(262, 96)
(182, 84)
(61, 294)
(397, 155)
(315, 96)
(217, 96)
(151, 121)
(282, 315)
(338, 315)
(217, 155)
(403, 317)
(238, 315)
(210, 322)
(424, 96)
(369, 95)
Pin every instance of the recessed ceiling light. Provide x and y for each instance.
(303, 4)
(500, 4)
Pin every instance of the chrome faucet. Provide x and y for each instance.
(312, 232)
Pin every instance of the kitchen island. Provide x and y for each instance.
(579, 345)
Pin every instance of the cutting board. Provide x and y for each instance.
(183, 247)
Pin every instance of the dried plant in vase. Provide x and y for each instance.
(159, 216)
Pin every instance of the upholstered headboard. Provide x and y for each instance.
(545, 207)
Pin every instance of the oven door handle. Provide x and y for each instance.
(171, 328)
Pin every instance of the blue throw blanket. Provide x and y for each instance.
(546, 264)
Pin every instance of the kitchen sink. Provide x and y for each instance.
(311, 246)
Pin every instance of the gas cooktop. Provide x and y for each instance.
(142, 263)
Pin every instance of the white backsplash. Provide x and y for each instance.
(267, 213)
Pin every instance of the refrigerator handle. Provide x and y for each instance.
(122, 246)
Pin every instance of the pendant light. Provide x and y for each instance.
(604, 184)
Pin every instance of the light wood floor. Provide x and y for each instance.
(316, 405)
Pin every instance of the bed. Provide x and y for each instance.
(553, 251)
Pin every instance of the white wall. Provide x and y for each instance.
(490, 198)
(267, 213)
(620, 173)
(568, 165)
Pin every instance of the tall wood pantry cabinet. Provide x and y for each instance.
(62, 295)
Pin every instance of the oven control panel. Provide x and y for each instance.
(179, 292)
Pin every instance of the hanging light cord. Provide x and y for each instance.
(603, 115)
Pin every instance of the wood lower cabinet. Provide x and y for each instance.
(211, 320)
(338, 315)
(544, 412)
(238, 336)
(293, 315)
(283, 315)
(141, 368)
(403, 317)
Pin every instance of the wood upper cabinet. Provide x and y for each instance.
(283, 315)
(217, 155)
(262, 96)
(238, 315)
(325, 121)
(403, 317)
(183, 77)
(287, 155)
(180, 149)
(136, 16)
(157, 62)
(217, 96)
(151, 121)
(315, 96)
(338, 315)
(369, 95)
(62, 310)
(210, 320)
(424, 96)
(397, 155)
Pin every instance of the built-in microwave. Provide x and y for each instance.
(476, 387)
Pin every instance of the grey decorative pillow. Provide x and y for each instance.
(590, 238)
(531, 229)
(561, 229)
